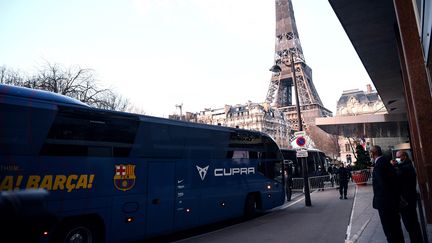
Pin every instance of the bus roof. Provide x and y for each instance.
(28, 93)
(23, 92)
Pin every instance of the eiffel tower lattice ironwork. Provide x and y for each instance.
(279, 93)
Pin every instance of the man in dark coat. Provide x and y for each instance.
(386, 196)
(288, 180)
(344, 177)
(406, 177)
(332, 170)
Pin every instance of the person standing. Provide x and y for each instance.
(336, 176)
(288, 181)
(386, 196)
(406, 177)
(344, 177)
(331, 171)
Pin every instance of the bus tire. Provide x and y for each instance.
(251, 206)
(85, 231)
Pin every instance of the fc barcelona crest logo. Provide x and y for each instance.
(124, 177)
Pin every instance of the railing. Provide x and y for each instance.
(330, 181)
(315, 182)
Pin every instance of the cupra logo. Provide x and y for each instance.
(202, 171)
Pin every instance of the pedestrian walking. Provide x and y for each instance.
(332, 170)
(406, 176)
(288, 181)
(336, 176)
(386, 196)
(344, 177)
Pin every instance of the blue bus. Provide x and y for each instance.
(117, 177)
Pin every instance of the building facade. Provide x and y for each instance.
(358, 102)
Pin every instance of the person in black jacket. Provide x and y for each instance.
(386, 196)
(344, 177)
(288, 180)
(406, 177)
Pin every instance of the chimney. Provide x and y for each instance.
(369, 88)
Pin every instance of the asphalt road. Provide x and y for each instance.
(325, 221)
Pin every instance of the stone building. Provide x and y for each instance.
(358, 102)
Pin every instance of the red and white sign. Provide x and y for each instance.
(301, 141)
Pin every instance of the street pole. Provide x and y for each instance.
(181, 113)
(300, 127)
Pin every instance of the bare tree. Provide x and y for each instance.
(9, 76)
(110, 101)
(75, 82)
(325, 142)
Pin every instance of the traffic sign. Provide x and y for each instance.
(301, 141)
(302, 153)
(300, 134)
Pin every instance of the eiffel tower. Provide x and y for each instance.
(287, 50)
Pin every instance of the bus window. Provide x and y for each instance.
(240, 154)
(271, 164)
(83, 132)
(242, 139)
(271, 170)
(311, 162)
(162, 140)
(271, 149)
(23, 129)
(323, 161)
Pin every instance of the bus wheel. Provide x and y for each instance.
(75, 232)
(251, 206)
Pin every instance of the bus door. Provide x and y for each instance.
(160, 201)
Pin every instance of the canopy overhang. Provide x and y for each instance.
(366, 126)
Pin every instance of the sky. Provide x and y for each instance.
(162, 53)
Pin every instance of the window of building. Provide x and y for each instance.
(347, 147)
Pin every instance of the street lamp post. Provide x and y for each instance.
(277, 69)
(300, 128)
(180, 107)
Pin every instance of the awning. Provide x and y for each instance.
(368, 126)
(372, 26)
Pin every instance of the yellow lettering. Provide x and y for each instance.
(90, 182)
(7, 183)
(69, 184)
(82, 182)
(59, 182)
(33, 181)
(47, 182)
(18, 182)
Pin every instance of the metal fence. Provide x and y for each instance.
(330, 180)
(315, 182)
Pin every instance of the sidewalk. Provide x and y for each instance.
(328, 220)
(365, 225)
